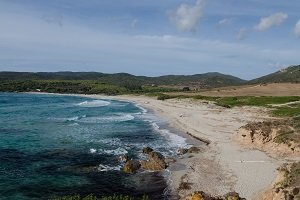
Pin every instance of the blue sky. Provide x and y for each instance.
(245, 38)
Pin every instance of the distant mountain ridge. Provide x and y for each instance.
(207, 80)
(287, 75)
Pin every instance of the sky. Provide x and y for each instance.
(244, 38)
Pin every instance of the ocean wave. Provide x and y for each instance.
(115, 118)
(174, 139)
(143, 110)
(68, 119)
(93, 103)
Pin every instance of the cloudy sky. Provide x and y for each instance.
(245, 38)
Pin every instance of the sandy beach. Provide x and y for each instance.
(224, 165)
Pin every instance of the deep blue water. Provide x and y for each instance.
(52, 145)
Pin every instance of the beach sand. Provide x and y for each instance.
(225, 165)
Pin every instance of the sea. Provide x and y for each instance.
(59, 145)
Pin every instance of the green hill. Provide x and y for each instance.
(207, 80)
(287, 75)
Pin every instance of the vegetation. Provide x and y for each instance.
(285, 106)
(92, 197)
(288, 75)
(208, 80)
(78, 87)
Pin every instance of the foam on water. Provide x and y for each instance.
(107, 119)
(105, 168)
(93, 150)
(93, 103)
(117, 152)
(174, 139)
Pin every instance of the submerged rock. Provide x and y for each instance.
(131, 166)
(155, 162)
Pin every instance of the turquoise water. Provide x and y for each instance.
(52, 145)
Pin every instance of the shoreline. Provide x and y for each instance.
(225, 165)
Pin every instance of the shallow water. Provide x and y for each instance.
(53, 145)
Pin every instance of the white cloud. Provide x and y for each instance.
(224, 22)
(187, 17)
(297, 29)
(241, 34)
(270, 21)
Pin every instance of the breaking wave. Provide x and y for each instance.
(93, 103)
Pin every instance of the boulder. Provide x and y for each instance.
(182, 151)
(131, 166)
(193, 150)
(197, 196)
(232, 196)
(147, 150)
(155, 162)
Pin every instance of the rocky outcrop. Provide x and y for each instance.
(287, 185)
(147, 150)
(131, 166)
(203, 196)
(276, 137)
(183, 151)
(155, 162)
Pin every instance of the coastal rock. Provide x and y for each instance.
(147, 150)
(197, 196)
(232, 196)
(193, 150)
(156, 162)
(131, 166)
(183, 151)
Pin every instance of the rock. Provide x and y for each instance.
(182, 151)
(147, 150)
(193, 150)
(295, 191)
(197, 196)
(232, 196)
(131, 166)
(156, 162)
(290, 197)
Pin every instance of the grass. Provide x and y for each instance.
(292, 110)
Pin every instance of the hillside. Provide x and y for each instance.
(207, 80)
(287, 75)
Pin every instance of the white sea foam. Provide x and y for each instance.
(114, 118)
(174, 139)
(144, 111)
(105, 168)
(93, 150)
(93, 103)
(117, 152)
